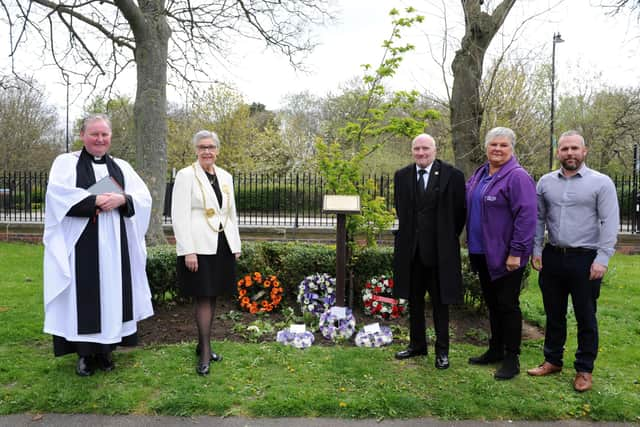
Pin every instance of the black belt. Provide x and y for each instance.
(560, 250)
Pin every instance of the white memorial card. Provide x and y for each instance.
(372, 328)
(339, 312)
(297, 329)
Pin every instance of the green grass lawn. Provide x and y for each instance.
(271, 380)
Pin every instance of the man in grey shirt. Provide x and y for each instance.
(579, 208)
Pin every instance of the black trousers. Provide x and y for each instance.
(502, 297)
(565, 274)
(425, 279)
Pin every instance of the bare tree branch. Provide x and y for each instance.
(64, 10)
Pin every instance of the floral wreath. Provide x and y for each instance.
(336, 328)
(257, 294)
(295, 339)
(378, 301)
(316, 293)
(376, 339)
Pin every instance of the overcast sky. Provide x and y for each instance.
(595, 44)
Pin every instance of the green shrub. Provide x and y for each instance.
(289, 261)
(161, 272)
(293, 261)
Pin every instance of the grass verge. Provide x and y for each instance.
(269, 380)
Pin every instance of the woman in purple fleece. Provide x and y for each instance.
(501, 222)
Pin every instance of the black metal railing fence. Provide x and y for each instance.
(293, 200)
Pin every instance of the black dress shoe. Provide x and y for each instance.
(203, 368)
(84, 366)
(410, 352)
(442, 361)
(215, 357)
(510, 367)
(105, 362)
(488, 357)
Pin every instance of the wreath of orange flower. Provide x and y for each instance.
(259, 294)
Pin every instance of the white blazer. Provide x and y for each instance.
(195, 232)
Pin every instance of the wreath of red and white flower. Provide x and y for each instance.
(258, 294)
(378, 299)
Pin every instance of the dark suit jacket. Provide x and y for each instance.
(451, 215)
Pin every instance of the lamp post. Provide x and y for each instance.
(556, 39)
(66, 137)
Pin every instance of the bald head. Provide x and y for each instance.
(423, 148)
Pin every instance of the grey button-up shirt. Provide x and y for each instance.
(578, 211)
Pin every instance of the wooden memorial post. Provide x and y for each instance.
(341, 206)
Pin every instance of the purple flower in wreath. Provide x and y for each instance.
(376, 339)
(316, 293)
(336, 328)
(295, 339)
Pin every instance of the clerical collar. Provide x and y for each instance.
(98, 159)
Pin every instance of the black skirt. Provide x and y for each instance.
(216, 275)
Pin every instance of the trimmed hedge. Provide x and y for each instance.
(291, 262)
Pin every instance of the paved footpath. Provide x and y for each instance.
(57, 420)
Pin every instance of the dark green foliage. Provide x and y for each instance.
(370, 262)
(161, 272)
(293, 261)
(290, 262)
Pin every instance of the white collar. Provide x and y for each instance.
(427, 169)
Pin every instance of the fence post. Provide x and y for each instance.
(635, 222)
(295, 221)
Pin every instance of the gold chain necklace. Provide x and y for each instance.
(208, 212)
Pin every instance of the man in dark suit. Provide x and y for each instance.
(430, 205)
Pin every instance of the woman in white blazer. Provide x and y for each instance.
(205, 225)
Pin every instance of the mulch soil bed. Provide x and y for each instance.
(174, 323)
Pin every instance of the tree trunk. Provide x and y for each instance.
(465, 106)
(150, 109)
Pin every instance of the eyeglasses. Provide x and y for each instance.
(207, 147)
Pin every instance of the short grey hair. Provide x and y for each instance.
(500, 132)
(573, 132)
(94, 117)
(424, 135)
(205, 134)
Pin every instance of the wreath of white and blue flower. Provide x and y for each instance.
(334, 327)
(295, 339)
(316, 293)
(376, 339)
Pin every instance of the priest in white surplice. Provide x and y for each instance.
(95, 283)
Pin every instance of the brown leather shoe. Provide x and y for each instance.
(582, 382)
(545, 369)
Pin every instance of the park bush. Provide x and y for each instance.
(293, 261)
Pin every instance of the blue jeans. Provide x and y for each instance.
(565, 274)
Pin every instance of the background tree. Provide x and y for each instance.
(466, 105)
(382, 115)
(30, 135)
(618, 5)
(300, 123)
(516, 96)
(609, 119)
(95, 39)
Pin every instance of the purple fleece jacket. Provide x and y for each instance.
(509, 210)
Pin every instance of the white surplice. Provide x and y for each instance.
(60, 236)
